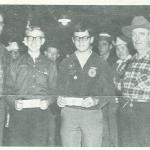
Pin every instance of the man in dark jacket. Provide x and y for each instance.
(31, 82)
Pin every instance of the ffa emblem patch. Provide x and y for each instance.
(92, 72)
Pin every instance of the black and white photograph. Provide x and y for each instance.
(74, 75)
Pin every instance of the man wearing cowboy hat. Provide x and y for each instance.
(31, 82)
(135, 87)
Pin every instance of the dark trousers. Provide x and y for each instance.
(110, 129)
(30, 127)
(54, 126)
(134, 125)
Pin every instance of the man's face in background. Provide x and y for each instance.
(15, 54)
(104, 47)
(13, 49)
(122, 51)
(52, 53)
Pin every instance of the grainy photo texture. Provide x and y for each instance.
(74, 75)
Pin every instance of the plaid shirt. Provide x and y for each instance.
(121, 66)
(136, 81)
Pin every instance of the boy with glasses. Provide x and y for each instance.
(31, 82)
(81, 80)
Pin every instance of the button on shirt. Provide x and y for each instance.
(136, 82)
(28, 78)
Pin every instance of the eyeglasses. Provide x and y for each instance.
(84, 38)
(31, 38)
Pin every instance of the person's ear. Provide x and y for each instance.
(45, 53)
(58, 55)
(43, 41)
(25, 41)
(91, 39)
(73, 40)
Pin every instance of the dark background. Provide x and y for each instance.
(102, 18)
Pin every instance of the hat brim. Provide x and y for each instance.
(128, 29)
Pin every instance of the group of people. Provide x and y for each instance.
(90, 99)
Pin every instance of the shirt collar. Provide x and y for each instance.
(146, 56)
(34, 56)
(30, 59)
(83, 54)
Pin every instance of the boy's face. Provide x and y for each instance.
(82, 41)
(122, 51)
(52, 53)
(104, 47)
(34, 40)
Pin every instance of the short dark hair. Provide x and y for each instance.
(82, 27)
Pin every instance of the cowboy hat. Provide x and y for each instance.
(137, 22)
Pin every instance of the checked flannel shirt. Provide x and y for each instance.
(136, 81)
(121, 66)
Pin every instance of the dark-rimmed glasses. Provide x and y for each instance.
(32, 38)
(84, 38)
